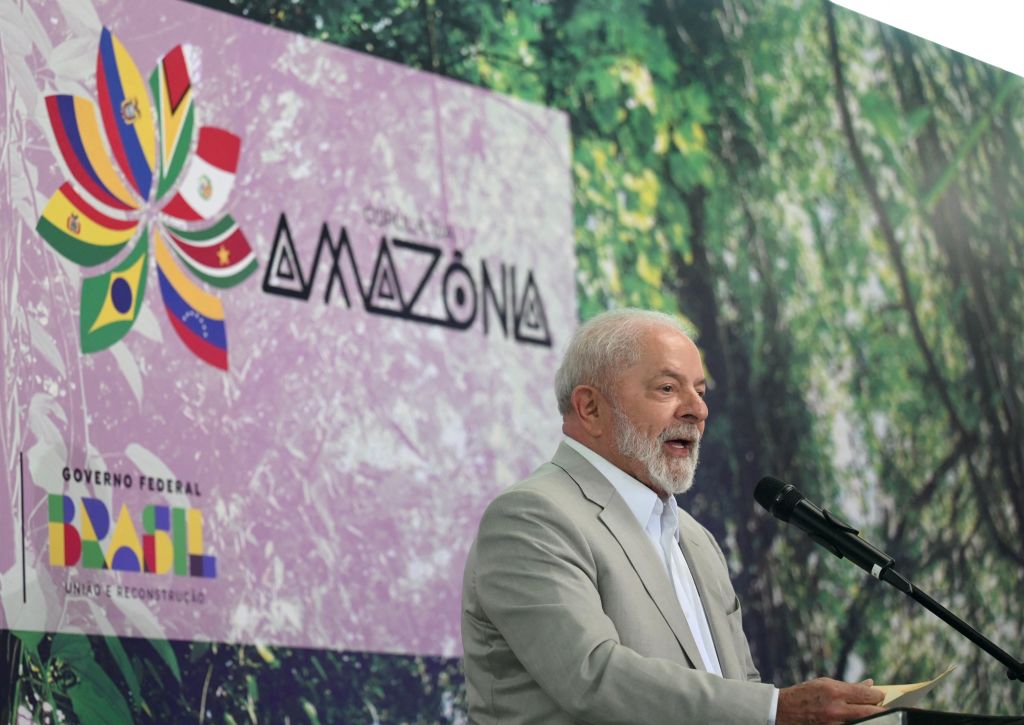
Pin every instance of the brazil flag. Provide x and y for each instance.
(111, 301)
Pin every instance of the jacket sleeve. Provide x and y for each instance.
(536, 581)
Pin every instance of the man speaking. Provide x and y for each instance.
(588, 595)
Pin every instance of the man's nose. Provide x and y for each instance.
(692, 408)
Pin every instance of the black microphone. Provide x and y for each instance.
(785, 502)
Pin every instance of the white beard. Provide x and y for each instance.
(670, 474)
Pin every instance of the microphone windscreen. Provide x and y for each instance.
(767, 491)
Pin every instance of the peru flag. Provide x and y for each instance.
(207, 184)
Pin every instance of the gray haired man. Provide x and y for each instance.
(589, 596)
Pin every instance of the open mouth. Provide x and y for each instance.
(681, 445)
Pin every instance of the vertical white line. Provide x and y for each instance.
(21, 470)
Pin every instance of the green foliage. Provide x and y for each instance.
(107, 679)
(71, 674)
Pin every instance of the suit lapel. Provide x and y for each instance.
(622, 525)
(697, 552)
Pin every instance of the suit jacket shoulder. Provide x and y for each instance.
(569, 615)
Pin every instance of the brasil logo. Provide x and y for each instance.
(138, 184)
(172, 539)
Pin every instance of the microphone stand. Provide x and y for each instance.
(1014, 669)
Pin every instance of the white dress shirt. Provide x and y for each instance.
(660, 521)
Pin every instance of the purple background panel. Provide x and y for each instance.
(344, 459)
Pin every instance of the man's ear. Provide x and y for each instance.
(591, 409)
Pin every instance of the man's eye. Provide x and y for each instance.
(702, 393)
(667, 388)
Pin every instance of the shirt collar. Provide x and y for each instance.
(640, 499)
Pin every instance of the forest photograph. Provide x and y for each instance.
(836, 209)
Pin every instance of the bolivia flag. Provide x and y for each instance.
(79, 232)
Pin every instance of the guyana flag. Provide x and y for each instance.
(171, 84)
(111, 301)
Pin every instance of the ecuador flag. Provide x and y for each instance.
(127, 113)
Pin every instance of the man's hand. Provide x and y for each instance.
(825, 701)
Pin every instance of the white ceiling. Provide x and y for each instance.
(989, 30)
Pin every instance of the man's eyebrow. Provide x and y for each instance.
(667, 372)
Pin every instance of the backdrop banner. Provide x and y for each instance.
(279, 320)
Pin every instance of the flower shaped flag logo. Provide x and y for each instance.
(139, 181)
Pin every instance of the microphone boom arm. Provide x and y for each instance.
(1014, 669)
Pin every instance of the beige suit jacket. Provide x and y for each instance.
(569, 616)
